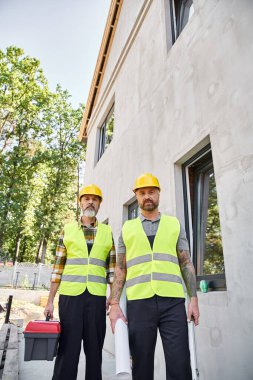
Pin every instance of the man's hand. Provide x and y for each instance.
(49, 310)
(115, 314)
(193, 311)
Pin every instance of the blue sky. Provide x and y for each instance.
(65, 35)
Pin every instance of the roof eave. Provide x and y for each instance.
(104, 51)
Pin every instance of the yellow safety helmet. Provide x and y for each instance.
(91, 190)
(146, 180)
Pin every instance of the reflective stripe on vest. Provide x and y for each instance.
(83, 279)
(154, 271)
(98, 262)
(73, 278)
(155, 276)
(80, 270)
(76, 261)
(148, 257)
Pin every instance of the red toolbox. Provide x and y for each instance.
(41, 340)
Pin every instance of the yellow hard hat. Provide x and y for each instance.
(146, 180)
(90, 190)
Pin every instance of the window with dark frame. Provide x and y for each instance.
(106, 132)
(202, 219)
(133, 210)
(180, 11)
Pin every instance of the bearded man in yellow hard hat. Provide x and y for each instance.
(84, 264)
(153, 258)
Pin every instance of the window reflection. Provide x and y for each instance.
(201, 206)
(213, 261)
(106, 133)
(181, 11)
(133, 210)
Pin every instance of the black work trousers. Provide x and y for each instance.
(83, 318)
(169, 316)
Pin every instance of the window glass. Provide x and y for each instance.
(201, 206)
(207, 222)
(106, 133)
(109, 125)
(213, 261)
(181, 11)
(133, 210)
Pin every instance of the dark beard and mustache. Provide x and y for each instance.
(149, 205)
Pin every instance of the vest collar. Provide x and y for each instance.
(142, 218)
(93, 225)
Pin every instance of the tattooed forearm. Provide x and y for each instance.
(119, 278)
(188, 272)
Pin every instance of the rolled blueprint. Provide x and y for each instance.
(122, 352)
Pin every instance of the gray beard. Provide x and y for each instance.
(89, 213)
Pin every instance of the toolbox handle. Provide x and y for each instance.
(48, 317)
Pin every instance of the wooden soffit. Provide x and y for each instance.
(104, 51)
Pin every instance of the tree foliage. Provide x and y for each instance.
(214, 260)
(39, 158)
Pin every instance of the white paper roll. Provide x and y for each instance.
(122, 352)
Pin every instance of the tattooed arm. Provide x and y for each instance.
(117, 286)
(119, 278)
(188, 273)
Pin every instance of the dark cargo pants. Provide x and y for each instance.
(169, 316)
(83, 318)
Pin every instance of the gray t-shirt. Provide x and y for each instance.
(150, 227)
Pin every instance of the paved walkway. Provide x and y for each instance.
(42, 370)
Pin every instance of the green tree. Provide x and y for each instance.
(64, 154)
(39, 155)
(23, 96)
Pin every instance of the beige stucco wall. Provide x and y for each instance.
(168, 101)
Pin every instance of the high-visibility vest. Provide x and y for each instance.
(81, 270)
(152, 271)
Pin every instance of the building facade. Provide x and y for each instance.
(172, 95)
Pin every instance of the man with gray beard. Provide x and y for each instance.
(85, 260)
